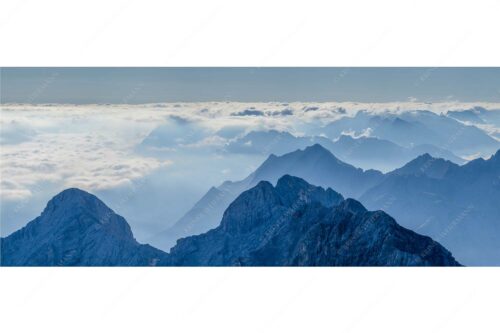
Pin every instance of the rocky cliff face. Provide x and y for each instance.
(291, 224)
(299, 224)
(76, 229)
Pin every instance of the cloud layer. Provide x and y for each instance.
(94, 146)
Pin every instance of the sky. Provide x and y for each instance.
(152, 85)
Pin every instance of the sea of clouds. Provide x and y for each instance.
(47, 148)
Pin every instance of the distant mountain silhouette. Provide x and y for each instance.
(384, 155)
(363, 152)
(414, 128)
(297, 224)
(456, 205)
(76, 229)
(466, 115)
(426, 165)
(267, 142)
(318, 165)
(477, 115)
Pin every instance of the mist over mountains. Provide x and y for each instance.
(314, 164)
(415, 128)
(457, 204)
(476, 115)
(364, 151)
(435, 173)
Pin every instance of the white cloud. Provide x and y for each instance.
(72, 161)
(92, 146)
(210, 141)
(367, 132)
(15, 131)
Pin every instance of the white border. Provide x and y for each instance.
(256, 33)
(250, 299)
(253, 33)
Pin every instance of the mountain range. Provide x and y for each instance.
(476, 115)
(415, 128)
(291, 224)
(384, 155)
(365, 151)
(297, 224)
(457, 205)
(314, 164)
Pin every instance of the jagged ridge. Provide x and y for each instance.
(296, 223)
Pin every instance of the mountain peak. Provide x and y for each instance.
(481, 165)
(72, 199)
(397, 121)
(289, 193)
(317, 165)
(294, 190)
(427, 165)
(262, 227)
(345, 138)
(73, 192)
(76, 229)
(425, 157)
(496, 156)
(317, 148)
(261, 199)
(264, 184)
(288, 181)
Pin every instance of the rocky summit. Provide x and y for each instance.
(298, 224)
(76, 229)
(290, 224)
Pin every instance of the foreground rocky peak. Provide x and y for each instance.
(264, 203)
(292, 223)
(75, 198)
(76, 229)
(296, 223)
(73, 204)
(293, 189)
